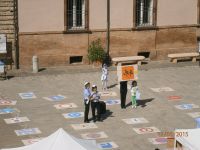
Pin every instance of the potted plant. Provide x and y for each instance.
(96, 53)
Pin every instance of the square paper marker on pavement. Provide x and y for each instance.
(31, 141)
(135, 120)
(7, 110)
(16, 120)
(113, 102)
(7, 102)
(55, 98)
(65, 106)
(93, 136)
(146, 130)
(29, 131)
(107, 145)
(186, 106)
(73, 115)
(162, 89)
(108, 93)
(84, 126)
(28, 95)
(174, 98)
(194, 114)
(159, 140)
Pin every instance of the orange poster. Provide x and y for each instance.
(127, 73)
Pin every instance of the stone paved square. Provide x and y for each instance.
(153, 106)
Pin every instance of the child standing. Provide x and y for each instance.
(104, 77)
(134, 94)
(95, 97)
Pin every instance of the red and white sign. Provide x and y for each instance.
(157, 141)
(65, 106)
(7, 102)
(31, 141)
(174, 98)
(146, 130)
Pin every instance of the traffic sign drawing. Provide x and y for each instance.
(28, 95)
(7, 110)
(31, 141)
(29, 131)
(158, 141)
(135, 120)
(127, 73)
(108, 93)
(65, 106)
(146, 130)
(93, 136)
(107, 145)
(73, 115)
(162, 89)
(112, 102)
(7, 102)
(55, 98)
(84, 126)
(174, 98)
(16, 120)
(186, 106)
(194, 114)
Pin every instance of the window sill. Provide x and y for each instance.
(75, 31)
(141, 28)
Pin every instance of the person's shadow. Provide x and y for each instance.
(141, 102)
(105, 116)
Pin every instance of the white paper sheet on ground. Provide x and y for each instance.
(162, 89)
(112, 102)
(186, 106)
(107, 145)
(28, 95)
(55, 98)
(84, 126)
(65, 106)
(158, 141)
(29, 131)
(7, 102)
(16, 120)
(146, 130)
(60, 140)
(73, 115)
(194, 114)
(92, 136)
(31, 141)
(108, 93)
(135, 120)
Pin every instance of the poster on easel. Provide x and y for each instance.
(3, 43)
(127, 73)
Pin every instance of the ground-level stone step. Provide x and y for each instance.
(4, 18)
(8, 22)
(4, 9)
(6, 4)
(7, 27)
(7, 31)
(7, 13)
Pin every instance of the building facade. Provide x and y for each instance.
(59, 31)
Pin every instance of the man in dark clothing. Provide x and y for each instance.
(123, 92)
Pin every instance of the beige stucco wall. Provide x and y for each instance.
(176, 12)
(41, 15)
(121, 14)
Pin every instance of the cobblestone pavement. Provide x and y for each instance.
(183, 79)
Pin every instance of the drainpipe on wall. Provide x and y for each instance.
(107, 59)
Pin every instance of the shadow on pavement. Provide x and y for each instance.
(141, 102)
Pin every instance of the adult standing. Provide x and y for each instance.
(87, 95)
(123, 92)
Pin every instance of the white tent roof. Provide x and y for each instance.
(192, 141)
(60, 140)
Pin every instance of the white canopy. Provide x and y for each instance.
(189, 138)
(60, 140)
